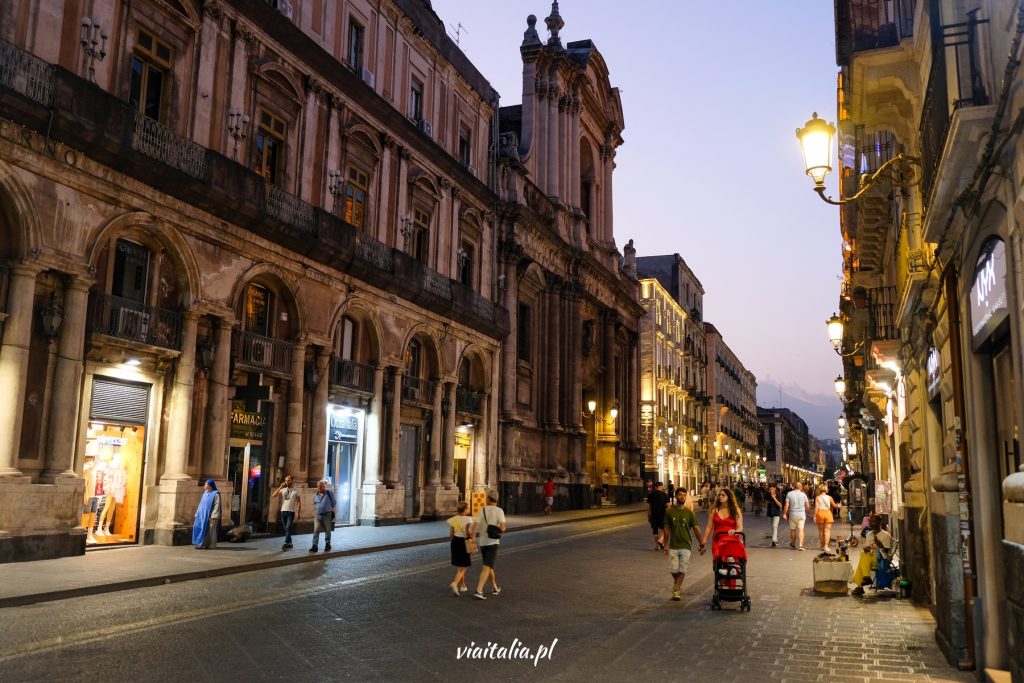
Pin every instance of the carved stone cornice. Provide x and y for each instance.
(456, 192)
(404, 154)
(245, 34)
(215, 11)
(313, 87)
(444, 183)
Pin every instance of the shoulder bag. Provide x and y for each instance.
(493, 530)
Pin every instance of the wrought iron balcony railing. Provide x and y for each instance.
(417, 390)
(882, 307)
(26, 74)
(469, 402)
(264, 353)
(121, 318)
(353, 375)
(290, 210)
(871, 25)
(375, 254)
(157, 141)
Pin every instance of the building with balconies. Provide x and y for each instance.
(787, 445)
(731, 414)
(933, 380)
(673, 365)
(236, 244)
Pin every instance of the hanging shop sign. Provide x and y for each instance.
(244, 425)
(934, 366)
(988, 293)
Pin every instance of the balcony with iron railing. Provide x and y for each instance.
(49, 100)
(349, 374)
(417, 390)
(263, 354)
(863, 25)
(955, 83)
(469, 402)
(127, 320)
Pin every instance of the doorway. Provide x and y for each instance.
(1005, 410)
(246, 469)
(408, 465)
(338, 471)
(112, 469)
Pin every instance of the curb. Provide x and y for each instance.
(167, 579)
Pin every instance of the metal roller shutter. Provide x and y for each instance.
(117, 401)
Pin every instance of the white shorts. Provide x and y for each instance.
(797, 522)
(678, 560)
(549, 501)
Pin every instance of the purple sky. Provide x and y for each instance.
(712, 93)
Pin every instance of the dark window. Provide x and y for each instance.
(355, 46)
(355, 197)
(465, 262)
(151, 67)
(523, 333)
(421, 235)
(258, 307)
(270, 147)
(413, 359)
(131, 271)
(465, 145)
(348, 339)
(416, 101)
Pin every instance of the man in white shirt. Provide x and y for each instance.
(796, 508)
(291, 504)
(490, 516)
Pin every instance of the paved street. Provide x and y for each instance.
(594, 585)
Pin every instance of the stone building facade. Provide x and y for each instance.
(732, 412)
(786, 441)
(931, 302)
(673, 368)
(572, 299)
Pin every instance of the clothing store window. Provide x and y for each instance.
(270, 138)
(355, 197)
(151, 77)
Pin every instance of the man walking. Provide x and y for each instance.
(656, 503)
(291, 504)
(549, 495)
(490, 522)
(323, 519)
(796, 509)
(678, 541)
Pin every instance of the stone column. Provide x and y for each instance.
(574, 155)
(14, 364)
(318, 421)
(607, 232)
(553, 141)
(394, 426)
(508, 349)
(293, 429)
(608, 359)
(67, 391)
(372, 431)
(541, 143)
(436, 417)
(179, 425)
(403, 194)
(215, 437)
(554, 351)
(380, 228)
(574, 395)
(448, 438)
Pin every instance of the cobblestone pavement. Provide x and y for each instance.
(594, 585)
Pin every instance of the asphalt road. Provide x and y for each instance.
(593, 593)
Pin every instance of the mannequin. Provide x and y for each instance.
(91, 502)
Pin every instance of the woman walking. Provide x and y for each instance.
(207, 522)
(726, 520)
(460, 531)
(823, 505)
(773, 508)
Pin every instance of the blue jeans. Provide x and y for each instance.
(322, 523)
(287, 519)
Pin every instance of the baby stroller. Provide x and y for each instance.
(730, 566)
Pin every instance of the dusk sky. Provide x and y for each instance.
(711, 168)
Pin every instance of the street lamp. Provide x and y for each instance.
(816, 143)
(835, 335)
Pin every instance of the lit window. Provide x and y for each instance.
(355, 197)
(270, 147)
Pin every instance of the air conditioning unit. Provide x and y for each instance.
(260, 352)
(282, 6)
(368, 78)
(425, 127)
(132, 324)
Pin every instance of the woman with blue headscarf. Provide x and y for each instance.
(207, 523)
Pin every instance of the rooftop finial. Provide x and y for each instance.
(530, 36)
(555, 23)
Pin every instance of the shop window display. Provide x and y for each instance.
(112, 468)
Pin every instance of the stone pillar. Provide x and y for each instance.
(394, 426)
(179, 425)
(372, 431)
(574, 155)
(317, 421)
(293, 429)
(553, 141)
(554, 352)
(541, 143)
(608, 359)
(403, 194)
(380, 228)
(214, 461)
(14, 364)
(436, 417)
(448, 438)
(574, 393)
(607, 231)
(509, 349)
(67, 391)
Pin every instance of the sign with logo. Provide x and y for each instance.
(988, 293)
(245, 425)
(934, 366)
(343, 427)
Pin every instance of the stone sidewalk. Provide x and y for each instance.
(105, 570)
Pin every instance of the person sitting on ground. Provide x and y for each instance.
(876, 541)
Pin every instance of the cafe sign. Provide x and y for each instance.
(988, 293)
(343, 427)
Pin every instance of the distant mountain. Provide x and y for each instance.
(819, 413)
